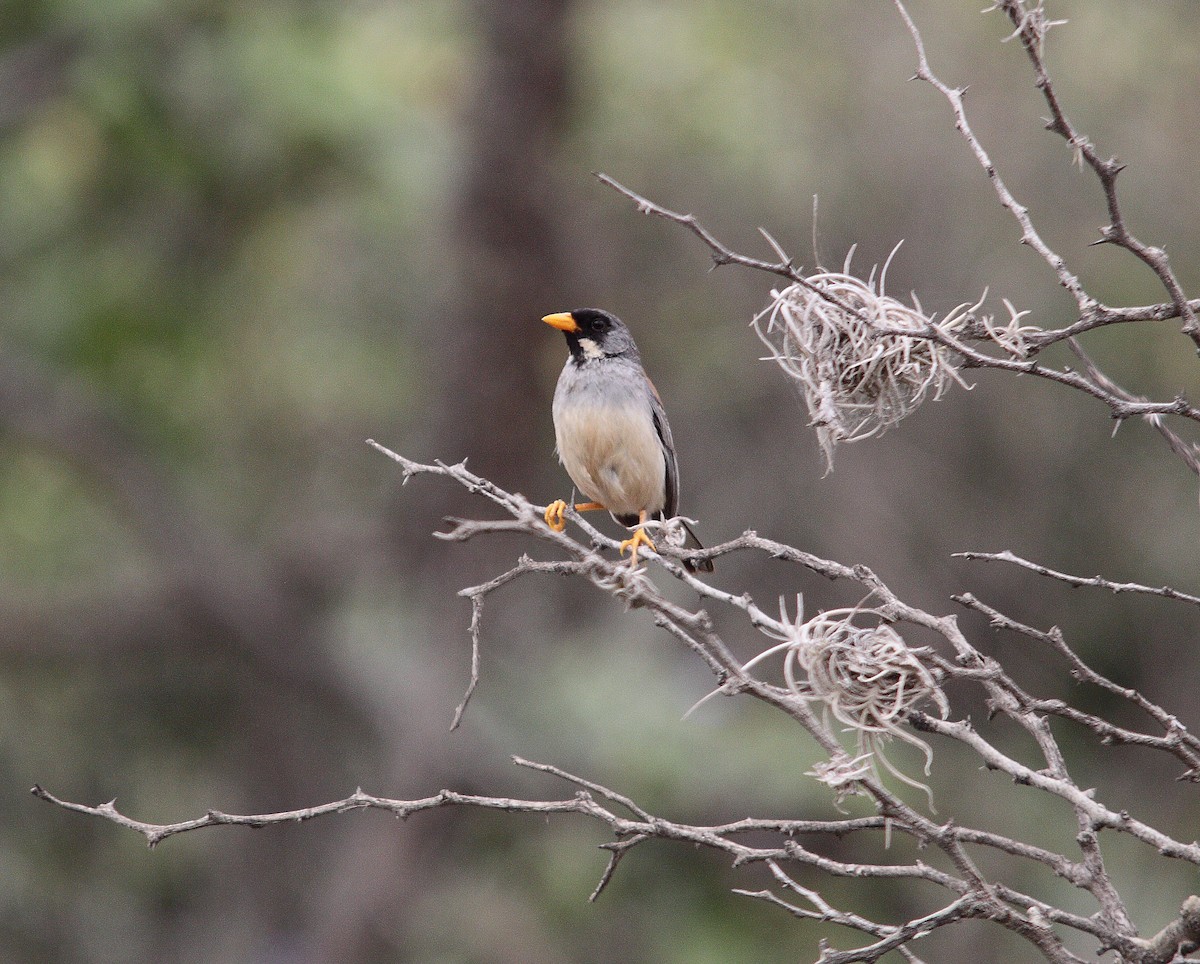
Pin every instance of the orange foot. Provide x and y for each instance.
(639, 538)
(556, 512)
(556, 515)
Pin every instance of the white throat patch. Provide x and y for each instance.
(590, 348)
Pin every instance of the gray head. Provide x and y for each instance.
(593, 334)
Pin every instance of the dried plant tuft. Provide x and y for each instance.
(862, 359)
(867, 677)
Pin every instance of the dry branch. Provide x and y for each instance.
(970, 893)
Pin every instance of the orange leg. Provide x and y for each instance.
(639, 538)
(556, 512)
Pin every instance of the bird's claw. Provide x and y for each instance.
(556, 515)
(639, 538)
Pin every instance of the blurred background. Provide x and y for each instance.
(237, 239)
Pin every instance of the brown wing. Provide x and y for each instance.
(671, 506)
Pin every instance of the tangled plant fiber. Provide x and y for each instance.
(867, 677)
(862, 359)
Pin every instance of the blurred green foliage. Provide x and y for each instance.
(229, 233)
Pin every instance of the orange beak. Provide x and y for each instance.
(563, 321)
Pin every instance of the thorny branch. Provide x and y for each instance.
(1031, 25)
(1189, 452)
(1098, 582)
(1121, 403)
(1020, 343)
(1176, 739)
(971, 893)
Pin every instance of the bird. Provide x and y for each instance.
(611, 432)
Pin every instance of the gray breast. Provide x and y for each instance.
(604, 429)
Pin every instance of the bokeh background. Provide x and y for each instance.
(239, 238)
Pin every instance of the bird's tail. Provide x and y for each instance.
(691, 542)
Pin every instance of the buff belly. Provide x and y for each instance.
(613, 454)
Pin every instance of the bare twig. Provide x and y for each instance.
(1181, 936)
(1031, 25)
(896, 938)
(1029, 234)
(1190, 453)
(1100, 816)
(1177, 739)
(157, 833)
(721, 837)
(616, 850)
(1098, 582)
(629, 833)
(892, 937)
(476, 618)
(723, 255)
(1104, 315)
